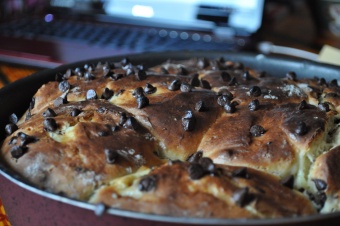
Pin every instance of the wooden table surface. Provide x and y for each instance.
(10, 73)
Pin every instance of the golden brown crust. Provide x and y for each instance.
(325, 180)
(71, 160)
(175, 193)
(103, 124)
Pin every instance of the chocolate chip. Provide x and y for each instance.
(223, 100)
(64, 86)
(91, 94)
(104, 133)
(125, 61)
(320, 199)
(32, 103)
(195, 157)
(205, 84)
(139, 91)
(117, 76)
(13, 118)
(185, 87)
(233, 82)
(13, 140)
(78, 70)
(241, 172)
(59, 101)
(188, 121)
(200, 106)
(164, 71)
(225, 92)
(324, 107)
(149, 89)
(334, 83)
(322, 81)
(108, 66)
(18, 151)
(122, 118)
(336, 120)
(230, 107)
(141, 75)
(225, 76)
(203, 63)
(241, 197)
(216, 65)
(141, 67)
(196, 171)
(301, 129)
(101, 110)
(195, 82)
(303, 105)
(111, 156)
(25, 139)
(291, 76)
(59, 77)
(131, 71)
(89, 67)
(114, 128)
(182, 71)
(254, 105)
(131, 123)
(10, 128)
(50, 124)
(75, 112)
(320, 184)
(28, 115)
(207, 164)
(288, 181)
(107, 94)
(67, 74)
(246, 75)
(88, 76)
(147, 183)
(255, 91)
(107, 73)
(142, 101)
(174, 85)
(49, 113)
(257, 130)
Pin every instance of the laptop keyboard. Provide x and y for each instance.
(135, 39)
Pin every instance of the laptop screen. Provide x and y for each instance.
(219, 16)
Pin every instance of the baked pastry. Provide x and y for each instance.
(193, 138)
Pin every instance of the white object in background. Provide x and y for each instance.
(268, 47)
(329, 55)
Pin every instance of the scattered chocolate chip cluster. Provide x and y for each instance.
(194, 138)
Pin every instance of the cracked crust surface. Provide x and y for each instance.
(115, 123)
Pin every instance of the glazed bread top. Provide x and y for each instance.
(98, 131)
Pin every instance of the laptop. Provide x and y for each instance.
(67, 31)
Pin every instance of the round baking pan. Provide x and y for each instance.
(27, 205)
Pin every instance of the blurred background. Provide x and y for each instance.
(305, 25)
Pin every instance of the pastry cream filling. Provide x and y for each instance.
(331, 205)
(126, 186)
(218, 192)
(64, 134)
(308, 156)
